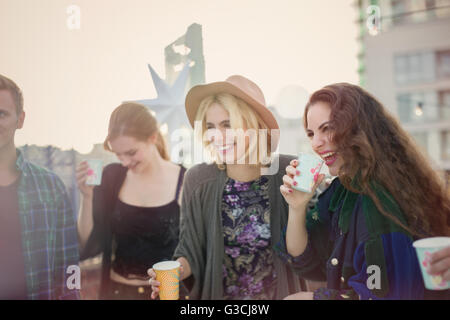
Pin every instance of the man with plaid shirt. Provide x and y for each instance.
(38, 236)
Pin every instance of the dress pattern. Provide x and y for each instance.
(248, 271)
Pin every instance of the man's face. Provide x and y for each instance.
(10, 121)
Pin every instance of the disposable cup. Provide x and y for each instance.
(309, 167)
(424, 248)
(168, 275)
(95, 172)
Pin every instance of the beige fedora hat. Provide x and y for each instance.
(236, 85)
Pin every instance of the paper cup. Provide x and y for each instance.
(95, 172)
(424, 249)
(168, 274)
(309, 167)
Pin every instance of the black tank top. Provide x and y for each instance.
(144, 236)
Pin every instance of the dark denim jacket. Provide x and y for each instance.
(359, 252)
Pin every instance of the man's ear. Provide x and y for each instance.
(21, 120)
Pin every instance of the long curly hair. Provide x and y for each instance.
(375, 149)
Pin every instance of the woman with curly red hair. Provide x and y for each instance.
(359, 236)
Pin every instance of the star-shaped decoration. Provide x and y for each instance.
(169, 104)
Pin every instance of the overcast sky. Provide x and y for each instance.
(73, 79)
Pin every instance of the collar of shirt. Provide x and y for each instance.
(21, 163)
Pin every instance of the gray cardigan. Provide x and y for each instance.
(201, 238)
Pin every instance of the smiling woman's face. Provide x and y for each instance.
(217, 122)
(319, 133)
(132, 153)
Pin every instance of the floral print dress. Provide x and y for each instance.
(248, 271)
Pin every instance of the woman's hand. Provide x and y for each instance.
(440, 263)
(82, 175)
(297, 199)
(155, 284)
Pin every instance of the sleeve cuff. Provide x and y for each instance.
(302, 260)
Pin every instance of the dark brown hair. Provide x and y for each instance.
(376, 149)
(135, 120)
(10, 86)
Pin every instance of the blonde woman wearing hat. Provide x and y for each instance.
(232, 211)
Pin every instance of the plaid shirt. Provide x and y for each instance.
(49, 232)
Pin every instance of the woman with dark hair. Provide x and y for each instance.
(359, 236)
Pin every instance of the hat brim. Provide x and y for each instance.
(199, 92)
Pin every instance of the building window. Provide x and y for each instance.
(399, 8)
(421, 138)
(430, 4)
(442, 8)
(418, 107)
(419, 10)
(414, 68)
(444, 104)
(445, 145)
(443, 64)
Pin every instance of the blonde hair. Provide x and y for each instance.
(242, 116)
(135, 120)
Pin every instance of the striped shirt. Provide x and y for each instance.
(49, 233)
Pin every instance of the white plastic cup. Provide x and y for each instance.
(309, 166)
(95, 172)
(424, 249)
